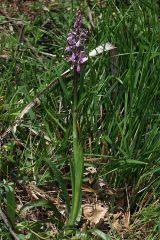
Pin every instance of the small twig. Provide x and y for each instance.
(128, 206)
(87, 159)
(5, 22)
(90, 17)
(47, 54)
(6, 222)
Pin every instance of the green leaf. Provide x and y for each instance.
(132, 161)
(11, 203)
(55, 120)
(101, 234)
(78, 172)
(2, 18)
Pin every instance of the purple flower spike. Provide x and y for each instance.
(75, 40)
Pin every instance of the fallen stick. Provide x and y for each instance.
(6, 222)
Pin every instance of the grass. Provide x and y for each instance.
(119, 114)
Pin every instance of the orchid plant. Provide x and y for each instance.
(76, 56)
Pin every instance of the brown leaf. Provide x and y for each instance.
(95, 214)
(116, 225)
(91, 170)
(126, 219)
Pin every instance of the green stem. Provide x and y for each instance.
(77, 162)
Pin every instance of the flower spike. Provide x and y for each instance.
(76, 37)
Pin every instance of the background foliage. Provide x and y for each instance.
(119, 114)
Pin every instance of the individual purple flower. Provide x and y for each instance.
(82, 56)
(73, 57)
(76, 37)
(78, 68)
(68, 49)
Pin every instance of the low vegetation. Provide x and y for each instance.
(118, 124)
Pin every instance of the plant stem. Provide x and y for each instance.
(77, 162)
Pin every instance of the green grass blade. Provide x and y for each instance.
(60, 181)
(101, 234)
(41, 203)
(11, 203)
